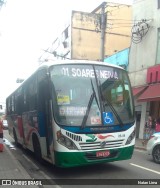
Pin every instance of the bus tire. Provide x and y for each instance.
(37, 149)
(15, 137)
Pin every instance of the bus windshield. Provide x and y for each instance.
(91, 95)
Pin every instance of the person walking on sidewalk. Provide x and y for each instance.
(147, 130)
(1, 136)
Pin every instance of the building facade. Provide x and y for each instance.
(144, 61)
(87, 35)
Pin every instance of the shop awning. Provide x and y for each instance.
(138, 90)
(152, 93)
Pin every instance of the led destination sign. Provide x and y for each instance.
(89, 73)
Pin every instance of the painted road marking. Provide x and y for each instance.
(144, 168)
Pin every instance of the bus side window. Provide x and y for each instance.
(33, 94)
(13, 104)
(30, 95)
(19, 101)
(25, 100)
(42, 89)
(8, 106)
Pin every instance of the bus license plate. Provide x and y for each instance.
(102, 153)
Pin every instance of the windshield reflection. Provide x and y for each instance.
(81, 100)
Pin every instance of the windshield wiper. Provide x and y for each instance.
(110, 105)
(87, 111)
(93, 95)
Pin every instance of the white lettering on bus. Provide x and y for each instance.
(89, 73)
(65, 71)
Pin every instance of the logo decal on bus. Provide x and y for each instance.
(100, 136)
(92, 138)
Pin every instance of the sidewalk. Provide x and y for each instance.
(10, 168)
(139, 145)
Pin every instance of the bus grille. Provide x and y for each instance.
(97, 145)
(74, 136)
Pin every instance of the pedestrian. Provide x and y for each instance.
(147, 130)
(153, 126)
(1, 136)
(157, 128)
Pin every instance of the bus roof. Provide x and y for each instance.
(65, 62)
(62, 62)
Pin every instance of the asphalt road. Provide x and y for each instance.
(140, 167)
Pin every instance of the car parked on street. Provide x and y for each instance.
(153, 147)
(5, 124)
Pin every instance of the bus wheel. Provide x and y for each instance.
(15, 137)
(37, 149)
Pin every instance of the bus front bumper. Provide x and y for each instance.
(72, 159)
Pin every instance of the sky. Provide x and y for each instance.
(29, 26)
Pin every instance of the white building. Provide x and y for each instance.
(144, 60)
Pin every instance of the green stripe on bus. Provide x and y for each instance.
(72, 159)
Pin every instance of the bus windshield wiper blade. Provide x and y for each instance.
(93, 95)
(110, 105)
(87, 111)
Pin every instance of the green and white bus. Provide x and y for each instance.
(74, 113)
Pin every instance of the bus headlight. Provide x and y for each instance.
(130, 138)
(63, 140)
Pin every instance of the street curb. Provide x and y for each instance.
(140, 148)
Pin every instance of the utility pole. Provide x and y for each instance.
(103, 28)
